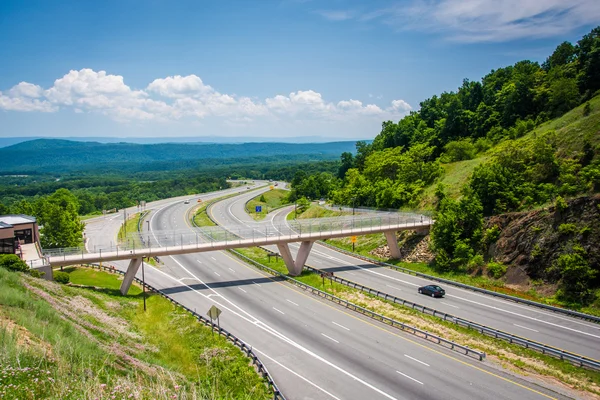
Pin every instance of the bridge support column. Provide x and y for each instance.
(295, 267)
(132, 269)
(392, 242)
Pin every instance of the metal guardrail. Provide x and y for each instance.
(247, 350)
(515, 299)
(576, 359)
(354, 307)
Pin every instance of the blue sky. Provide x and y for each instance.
(280, 68)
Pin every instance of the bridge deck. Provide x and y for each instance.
(195, 240)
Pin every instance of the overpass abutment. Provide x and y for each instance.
(392, 242)
(295, 266)
(132, 269)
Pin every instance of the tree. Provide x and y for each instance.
(456, 234)
(564, 54)
(577, 277)
(59, 221)
(347, 162)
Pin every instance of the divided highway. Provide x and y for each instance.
(557, 330)
(313, 349)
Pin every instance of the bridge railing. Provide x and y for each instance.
(302, 228)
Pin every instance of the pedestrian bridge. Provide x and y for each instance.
(201, 239)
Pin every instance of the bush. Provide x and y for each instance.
(62, 277)
(577, 276)
(567, 229)
(262, 198)
(587, 109)
(36, 274)
(560, 204)
(459, 150)
(496, 270)
(475, 263)
(12, 262)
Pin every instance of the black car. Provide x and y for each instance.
(432, 290)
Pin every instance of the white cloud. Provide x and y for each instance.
(401, 105)
(179, 86)
(488, 20)
(178, 97)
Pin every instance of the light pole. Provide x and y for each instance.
(148, 224)
(144, 283)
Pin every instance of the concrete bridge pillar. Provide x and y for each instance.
(295, 267)
(392, 242)
(132, 269)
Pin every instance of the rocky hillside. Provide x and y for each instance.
(530, 243)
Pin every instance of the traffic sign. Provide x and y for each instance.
(353, 239)
(214, 312)
(258, 209)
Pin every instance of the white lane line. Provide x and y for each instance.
(216, 273)
(213, 294)
(298, 375)
(351, 273)
(341, 326)
(394, 287)
(213, 258)
(232, 270)
(414, 359)
(524, 327)
(411, 378)
(242, 290)
(199, 262)
(528, 317)
(243, 314)
(330, 338)
(449, 305)
(279, 311)
(257, 284)
(292, 302)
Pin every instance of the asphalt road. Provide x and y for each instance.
(313, 349)
(557, 330)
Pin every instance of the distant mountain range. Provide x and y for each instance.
(9, 141)
(53, 155)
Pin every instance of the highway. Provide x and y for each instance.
(313, 349)
(557, 330)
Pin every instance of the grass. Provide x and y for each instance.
(201, 217)
(509, 356)
(62, 342)
(130, 226)
(272, 199)
(316, 211)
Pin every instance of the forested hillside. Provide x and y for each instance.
(524, 136)
(54, 155)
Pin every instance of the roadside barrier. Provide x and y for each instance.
(247, 350)
(575, 359)
(558, 310)
(354, 307)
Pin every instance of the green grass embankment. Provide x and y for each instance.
(316, 211)
(270, 200)
(509, 356)
(63, 342)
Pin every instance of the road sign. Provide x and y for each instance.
(353, 239)
(199, 200)
(258, 209)
(214, 312)
(271, 187)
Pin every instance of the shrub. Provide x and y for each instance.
(560, 204)
(459, 150)
(587, 109)
(62, 277)
(567, 229)
(12, 262)
(491, 235)
(475, 263)
(262, 198)
(36, 274)
(577, 276)
(496, 270)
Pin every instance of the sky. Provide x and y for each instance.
(333, 69)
